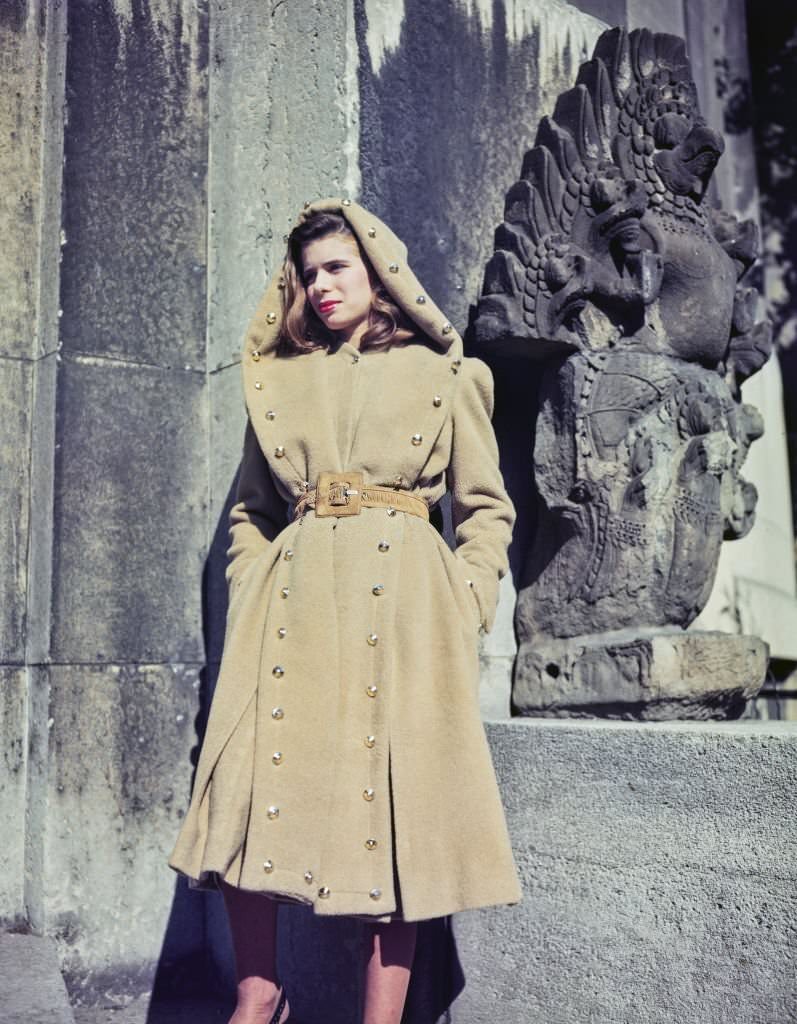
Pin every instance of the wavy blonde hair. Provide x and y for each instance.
(302, 331)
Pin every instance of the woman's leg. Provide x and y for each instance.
(387, 973)
(253, 923)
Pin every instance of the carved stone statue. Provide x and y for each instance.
(612, 270)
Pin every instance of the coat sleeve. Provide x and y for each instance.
(259, 512)
(482, 513)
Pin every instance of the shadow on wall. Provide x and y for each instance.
(444, 123)
(320, 958)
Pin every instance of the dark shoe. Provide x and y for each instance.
(280, 1007)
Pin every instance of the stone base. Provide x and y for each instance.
(658, 871)
(657, 677)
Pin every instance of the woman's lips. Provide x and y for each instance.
(326, 307)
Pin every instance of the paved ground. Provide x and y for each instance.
(31, 988)
(140, 1012)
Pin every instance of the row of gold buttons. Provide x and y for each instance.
(278, 713)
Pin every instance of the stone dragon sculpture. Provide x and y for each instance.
(613, 271)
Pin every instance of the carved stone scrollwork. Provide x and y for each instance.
(612, 270)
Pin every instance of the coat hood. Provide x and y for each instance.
(388, 256)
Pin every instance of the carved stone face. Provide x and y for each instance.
(686, 154)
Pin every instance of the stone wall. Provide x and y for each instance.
(153, 155)
(655, 889)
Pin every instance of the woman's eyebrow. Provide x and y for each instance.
(326, 263)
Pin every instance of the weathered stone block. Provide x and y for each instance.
(130, 513)
(276, 84)
(133, 273)
(656, 677)
(22, 46)
(119, 775)
(658, 874)
(16, 387)
(14, 745)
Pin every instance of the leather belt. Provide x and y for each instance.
(345, 494)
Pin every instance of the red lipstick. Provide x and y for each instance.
(325, 307)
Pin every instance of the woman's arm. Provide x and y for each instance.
(259, 513)
(482, 513)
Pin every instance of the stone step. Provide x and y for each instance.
(32, 990)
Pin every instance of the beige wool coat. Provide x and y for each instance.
(345, 763)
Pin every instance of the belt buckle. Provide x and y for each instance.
(338, 494)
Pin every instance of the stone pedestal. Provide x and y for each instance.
(658, 677)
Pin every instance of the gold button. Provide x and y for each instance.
(393, 268)
(308, 876)
(372, 232)
(417, 438)
(377, 589)
(437, 401)
(285, 591)
(370, 741)
(279, 451)
(255, 356)
(273, 813)
(373, 639)
(447, 328)
(368, 794)
(268, 866)
(288, 554)
(278, 671)
(421, 300)
(281, 632)
(375, 894)
(270, 414)
(371, 690)
(324, 892)
(271, 318)
(258, 385)
(370, 844)
(276, 757)
(391, 511)
(277, 713)
(383, 546)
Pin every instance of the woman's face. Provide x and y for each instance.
(337, 284)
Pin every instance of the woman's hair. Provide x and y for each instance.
(302, 331)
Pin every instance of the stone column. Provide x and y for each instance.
(32, 41)
(120, 664)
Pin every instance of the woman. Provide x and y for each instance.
(345, 764)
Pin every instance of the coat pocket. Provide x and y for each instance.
(462, 587)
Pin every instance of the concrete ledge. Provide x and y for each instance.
(31, 987)
(659, 871)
